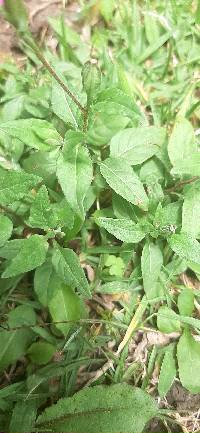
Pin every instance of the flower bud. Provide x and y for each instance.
(91, 79)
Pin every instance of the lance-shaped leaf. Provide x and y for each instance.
(167, 372)
(74, 173)
(101, 409)
(191, 212)
(182, 142)
(188, 354)
(67, 266)
(123, 229)
(151, 262)
(66, 306)
(124, 181)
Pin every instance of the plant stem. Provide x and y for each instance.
(58, 79)
(182, 183)
(28, 39)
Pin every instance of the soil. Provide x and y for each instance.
(39, 13)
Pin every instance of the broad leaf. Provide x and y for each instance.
(23, 416)
(186, 302)
(31, 255)
(123, 229)
(42, 164)
(23, 315)
(13, 345)
(35, 133)
(136, 145)
(191, 212)
(101, 409)
(189, 166)
(41, 352)
(106, 120)
(151, 263)
(67, 266)
(185, 246)
(41, 212)
(182, 142)
(66, 306)
(124, 181)
(167, 372)
(14, 185)
(61, 105)
(167, 320)
(6, 228)
(188, 354)
(74, 172)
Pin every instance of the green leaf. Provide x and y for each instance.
(43, 164)
(41, 352)
(151, 28)
(63, 214)
(66, 306)
(189, 166)
(185, 246)
(112, 409)
(14, 185)
(35, 133)
(151, 263)
(169, 215)
(16, 14)
(6, 228)
(46, 282)
(23, 416)
(12, 248)
(31, 255)
(167, 320)
(107, 9)
(41, 212)
(23, 315)
(186, 302)
(188, 355)
(182, 142)
(124, 181)
(74, 172)
(106, 120)
(67, 266)
(167, 372)
(136, 145)
(13, 345)
(61, 105)
(123, 209)
(191, 212)
(113, 287)
(123, 229)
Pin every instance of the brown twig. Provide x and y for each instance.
(179, 185)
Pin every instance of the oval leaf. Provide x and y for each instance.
(101, 409)
(121, 178)
(188, 354)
